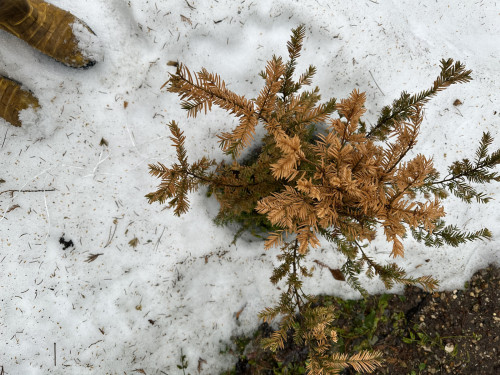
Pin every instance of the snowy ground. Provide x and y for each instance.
(181, 287)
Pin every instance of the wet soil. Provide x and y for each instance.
(456, 332)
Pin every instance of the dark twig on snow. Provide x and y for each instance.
(189, 5)
(112, 233)
(12, 191)
(4, 137)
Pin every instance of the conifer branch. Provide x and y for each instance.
(475, 172)
(407, 138)
(318, 114)
(305, 78)
(449, 235)
(351, 272)
(402, 108)
(392, 273)
(178, 138)
(364, 361)
(294, 47)
(266, 100)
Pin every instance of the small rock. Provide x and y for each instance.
(449, 348)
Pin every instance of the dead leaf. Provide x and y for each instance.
(140, 370)
(457, 102)
(336, 273)
(185, 19)
(125, 104)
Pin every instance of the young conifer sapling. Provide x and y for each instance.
(346, 183)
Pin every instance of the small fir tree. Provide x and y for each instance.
(345, 183)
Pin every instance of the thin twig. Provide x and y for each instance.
(376, 82)
(298, 299)
(98, 341)
(12, 191)
(157, 244)
(48, 214)
(4, 137)
(189, 5)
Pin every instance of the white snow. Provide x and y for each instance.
(184, 274)
(29, 117)
(88, 43)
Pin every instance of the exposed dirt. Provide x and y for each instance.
(459, 330)
(454, 332)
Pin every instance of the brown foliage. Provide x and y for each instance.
(320, 172)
